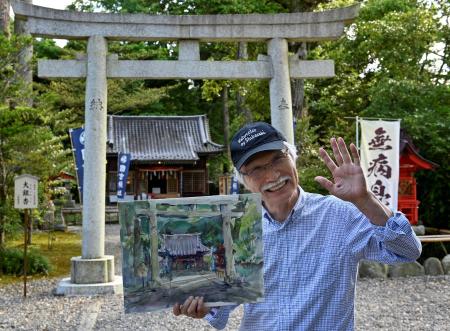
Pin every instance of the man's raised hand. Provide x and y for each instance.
(348, 182)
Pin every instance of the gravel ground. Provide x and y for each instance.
(417, 303)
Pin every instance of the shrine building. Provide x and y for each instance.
(410, 162)
(169, 155)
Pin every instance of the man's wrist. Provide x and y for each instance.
(363, 200)
(374, 210)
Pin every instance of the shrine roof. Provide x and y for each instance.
(183, 244)
(161, 138)
(407, 148)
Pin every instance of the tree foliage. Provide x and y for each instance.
(388, 67)
(27, 145)
(392, 62)
(11, 88)
(30, 138)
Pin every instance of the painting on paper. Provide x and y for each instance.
(207, 246)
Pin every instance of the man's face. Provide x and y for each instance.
(273, 174)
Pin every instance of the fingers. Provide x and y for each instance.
(176, 309)
(337, 153)
(343, 150)
(201, 309)
(355, 154)
(325, 183)
(327, 160)
(193, 307)
(341, 154)
(186, 304)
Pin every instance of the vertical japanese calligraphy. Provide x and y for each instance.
(380, 159)
(379, 141)
(77, 140)
(122, 174)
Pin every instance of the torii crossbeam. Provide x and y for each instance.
(93, 267)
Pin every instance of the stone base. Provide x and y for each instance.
(65, 287)
(92, 271)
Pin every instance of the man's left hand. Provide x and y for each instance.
(348, 183)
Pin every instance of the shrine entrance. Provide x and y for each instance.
(93, 267)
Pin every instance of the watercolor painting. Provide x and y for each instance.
(208, 246)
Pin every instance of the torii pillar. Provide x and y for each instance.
(93, 272)
(94, 267)
(280, 88)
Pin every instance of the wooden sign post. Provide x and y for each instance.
(26, 198)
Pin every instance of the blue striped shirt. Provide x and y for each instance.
(311, 263)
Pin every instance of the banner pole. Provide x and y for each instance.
(357, 133)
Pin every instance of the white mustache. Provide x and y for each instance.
(269, 186)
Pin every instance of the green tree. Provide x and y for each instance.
(392, 62)
(387, 67)
(215, 98)
(11, 87)
(27, 140)
(27, 145)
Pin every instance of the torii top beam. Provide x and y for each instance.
(315, 26)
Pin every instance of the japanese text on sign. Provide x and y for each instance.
(122, 174)
(379, 166)
(380, 159)
(25, 192)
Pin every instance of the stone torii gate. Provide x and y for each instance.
(93, 267)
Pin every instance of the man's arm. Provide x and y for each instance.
(374, 210)
(393, 239)
(349, 182)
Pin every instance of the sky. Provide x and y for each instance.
(57, 4)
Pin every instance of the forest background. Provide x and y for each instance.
(392, 62)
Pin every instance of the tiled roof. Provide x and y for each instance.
(158, 138)
(406, 143)
(183, 244)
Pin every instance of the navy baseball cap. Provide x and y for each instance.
(254, 138)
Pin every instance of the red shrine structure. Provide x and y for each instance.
(410, 162)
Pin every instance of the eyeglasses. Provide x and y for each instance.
(278, 161)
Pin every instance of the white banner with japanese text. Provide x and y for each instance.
(380, 159)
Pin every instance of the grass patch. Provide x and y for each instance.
(65, 246)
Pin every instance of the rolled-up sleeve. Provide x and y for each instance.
(394, 242)
(218, 316)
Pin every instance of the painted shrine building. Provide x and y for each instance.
(169, 155)
(186, 251)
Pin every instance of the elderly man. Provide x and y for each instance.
(312, 243)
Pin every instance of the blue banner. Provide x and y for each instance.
(77, 140)
(234, 189)
(122, 174)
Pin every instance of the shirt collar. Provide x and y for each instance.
(298, 205)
